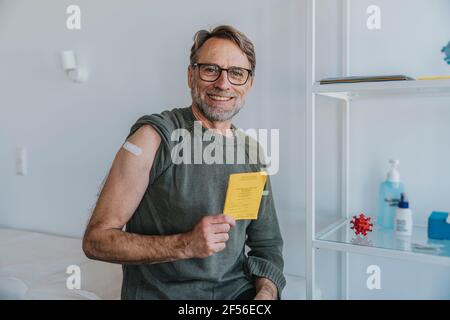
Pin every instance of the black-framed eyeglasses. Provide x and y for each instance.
(210, 72)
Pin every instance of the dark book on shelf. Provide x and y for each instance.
(354, 79)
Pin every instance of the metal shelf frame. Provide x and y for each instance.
(346, 93)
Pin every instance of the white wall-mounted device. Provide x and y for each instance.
(70, 66)
(21, 161)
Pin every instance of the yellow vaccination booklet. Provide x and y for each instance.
(244, 195)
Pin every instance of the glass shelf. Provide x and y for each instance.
(410, 87)
(387, 240)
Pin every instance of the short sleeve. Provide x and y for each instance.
(164, 125)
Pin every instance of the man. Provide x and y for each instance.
(177, 244)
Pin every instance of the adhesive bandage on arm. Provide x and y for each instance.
(134, 149)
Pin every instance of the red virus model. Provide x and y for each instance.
(361, 225)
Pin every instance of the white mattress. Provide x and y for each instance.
(33, 266)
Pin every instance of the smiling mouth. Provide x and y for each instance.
(219, 98)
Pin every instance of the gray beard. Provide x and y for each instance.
(213, 114)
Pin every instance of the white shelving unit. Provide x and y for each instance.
(337, 236)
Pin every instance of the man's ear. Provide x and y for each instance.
(190, 76)
(250, 82)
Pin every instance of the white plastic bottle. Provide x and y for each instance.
(403, 217)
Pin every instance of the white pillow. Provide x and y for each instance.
(12, 288)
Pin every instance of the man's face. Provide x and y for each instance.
(219, 100)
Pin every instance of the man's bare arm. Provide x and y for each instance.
(123, 190)
(265, 289)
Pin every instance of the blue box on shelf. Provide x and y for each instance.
(438, 228)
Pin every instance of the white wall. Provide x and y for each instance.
(137, 54)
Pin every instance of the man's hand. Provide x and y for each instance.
(208, 236)
(265, 289)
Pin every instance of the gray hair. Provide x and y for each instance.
(228, 33)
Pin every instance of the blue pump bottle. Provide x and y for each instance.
(389, 196)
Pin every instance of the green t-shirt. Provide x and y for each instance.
(178, 196)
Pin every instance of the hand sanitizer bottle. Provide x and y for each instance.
(403, 217)
(389, 196)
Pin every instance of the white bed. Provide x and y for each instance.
(33, 266)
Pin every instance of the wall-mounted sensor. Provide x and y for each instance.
(21, 161)
(70, 66)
